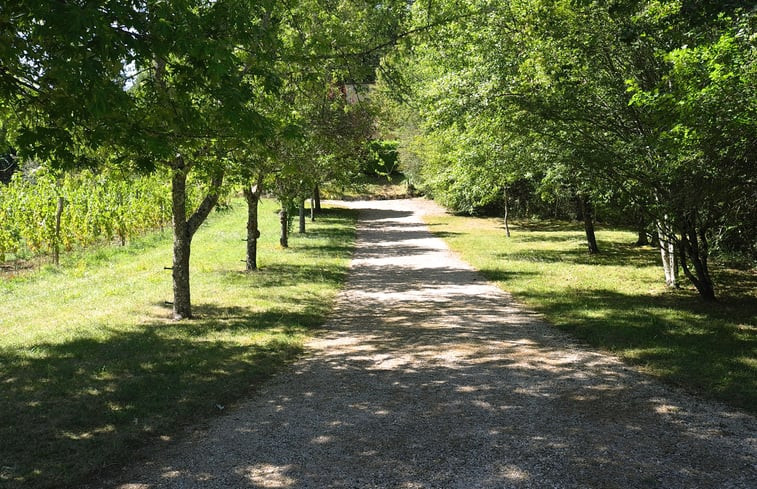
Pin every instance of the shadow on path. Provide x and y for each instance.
(428, 377)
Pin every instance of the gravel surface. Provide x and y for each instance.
(430, 377)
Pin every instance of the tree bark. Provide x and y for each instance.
(302, 217)
(183, 232)
(284, 239)
(507, 211)
(312, 209)
(643, 238)
(252, 196)
(694, 247)
(56, 237)
(667, 253)
(182, 304)
(317, 197)
(587, 212)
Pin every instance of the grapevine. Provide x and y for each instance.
(98, 207)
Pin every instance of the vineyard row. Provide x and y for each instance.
(41, 213)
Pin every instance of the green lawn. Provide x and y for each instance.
(618, 301)
(91, 367)
(371, 188)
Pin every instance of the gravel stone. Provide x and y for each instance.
(429, 377)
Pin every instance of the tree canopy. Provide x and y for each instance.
(637, 109)
(646, 108)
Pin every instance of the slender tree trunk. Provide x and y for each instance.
(507, 211)
(302, 216)
(667, 253)
(317, 197)
(183, 230)
(56, 237)
(587, 213)
(284, 239)
(312, 209)
(252, 196)
(643, 238)
(654, 240)
(182, 240)
(694, 247)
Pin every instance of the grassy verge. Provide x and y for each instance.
(616, 301)
(372, 188)
(90, 366)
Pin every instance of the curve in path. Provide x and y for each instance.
(429, 377)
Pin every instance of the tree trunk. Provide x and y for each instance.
(284, 239)
(312, 209)
(667, 252)
(182, 304)
(317, 197)
(302, 217)
(654, 240)
(643, 238)
(252, 196)
(507, 211)
(694, 247)
(56, 237)
(183, 232)
(587, 213)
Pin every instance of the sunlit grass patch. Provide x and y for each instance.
(372, 188)
(91, 366)
(617, 300)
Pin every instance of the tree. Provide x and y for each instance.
(609, 99)
(164, 84)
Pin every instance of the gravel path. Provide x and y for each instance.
(429, 377)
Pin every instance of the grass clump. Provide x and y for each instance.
(618, 301)
(91, 367)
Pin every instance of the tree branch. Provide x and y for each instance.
(210, 200)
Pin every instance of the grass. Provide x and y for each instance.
(374, 187)
(618, 301)
(91, 367)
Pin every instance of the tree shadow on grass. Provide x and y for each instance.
(499, 275)
(339, 237)
(282, 275)
(546, 226)
(669, 335)
(446, 234)
(334, 248)
(508, 401)
(73, 408)
(730, 282)
(610, 253)
(338, 213)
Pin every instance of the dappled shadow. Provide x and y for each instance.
(499, 275)
(91, 392)
(283, 275)
(610, 254)
(535, 225)
(650, 327)
(75, 404)
(369, 218)
(430, 377)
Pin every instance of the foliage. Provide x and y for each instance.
(382, 159)
(645, 108)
